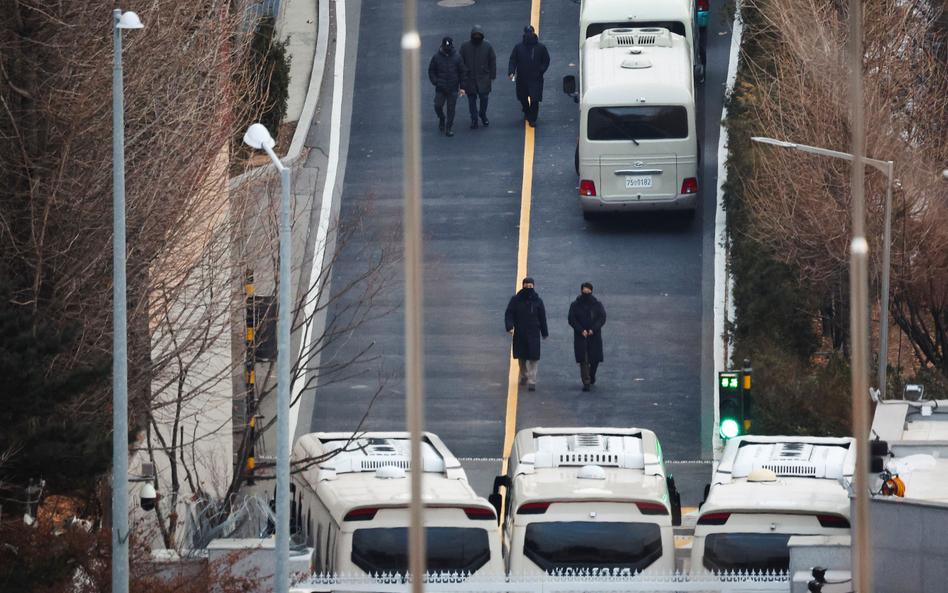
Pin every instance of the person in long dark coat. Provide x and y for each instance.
(586, 317)
(528, 62)
(525, 318)
(447, 73)
(481, 63)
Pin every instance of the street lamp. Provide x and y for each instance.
(885, 167)
(258, 137)
(120, 21)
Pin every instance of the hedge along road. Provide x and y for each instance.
(653, 272)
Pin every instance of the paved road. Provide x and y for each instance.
(653, 272)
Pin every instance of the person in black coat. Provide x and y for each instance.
(525, 318)
(528, 62)
(481, 63)
(447, 73)
(586, 317)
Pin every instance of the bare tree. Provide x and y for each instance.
(796, 89)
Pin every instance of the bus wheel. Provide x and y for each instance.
(576, 159)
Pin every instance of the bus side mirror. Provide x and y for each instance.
(699, 74)
(496, 500)
(500, 481)
(674, 497)
(707, 490)
(569, 85)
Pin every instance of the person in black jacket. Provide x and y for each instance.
(586, 317)
(446, 72)
(525, 318)
(481, 63)
(528, 62)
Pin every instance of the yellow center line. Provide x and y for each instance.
(526, 191)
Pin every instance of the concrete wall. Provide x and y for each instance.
(910, 545)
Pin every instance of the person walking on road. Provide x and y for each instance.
(528, 62)
(481, 63)
(447, 73)
(525, 318)
(586, 317)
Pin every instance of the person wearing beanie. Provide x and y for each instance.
(528, 62)
(525, 318)
(586, 317)
(481, 63)
(447, 73)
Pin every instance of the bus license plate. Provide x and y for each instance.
(638, 181)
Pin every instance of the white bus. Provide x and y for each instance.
(353, 506)
(638, 145)
(765, 490)
(588, 501)
(678, 16)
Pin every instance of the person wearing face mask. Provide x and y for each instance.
(481, 63)
(447, 73)
(525, 318)
(528, 62)
(586, 317)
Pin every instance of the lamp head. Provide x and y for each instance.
(258, 136)
(772, 141)
(129, 20)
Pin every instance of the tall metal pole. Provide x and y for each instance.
(859, 317)
(119, 326)
(281, 582)
(414, 317)
(884, 300)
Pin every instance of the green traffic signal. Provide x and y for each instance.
(730, 404)
(729, 429)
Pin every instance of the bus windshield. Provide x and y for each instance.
(450, 549)
(559, 546)
(747, 551)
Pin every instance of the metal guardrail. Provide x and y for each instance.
(655, 582)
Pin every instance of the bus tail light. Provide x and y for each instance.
(479, 514)
(714, 519)
(651, 508)
(587, 188)
(366, 514)
(689, 186)
(833, 521)
(533, 508)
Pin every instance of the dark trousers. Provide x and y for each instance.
(530, 110)
(472, 103)
(587, 371)
(452, 101)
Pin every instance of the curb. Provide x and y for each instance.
(315, 85)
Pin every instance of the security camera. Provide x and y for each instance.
(148, 496)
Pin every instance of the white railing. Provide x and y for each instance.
(655, 582)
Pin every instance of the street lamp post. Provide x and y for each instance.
(120, 21)
(257, 136)
(885, 167)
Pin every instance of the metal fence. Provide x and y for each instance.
(724, 583)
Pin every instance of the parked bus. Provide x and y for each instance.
(678, 16)
(638, 146)
(588, 501)
(354, 495)
(765, 490)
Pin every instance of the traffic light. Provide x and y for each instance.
(730, 404)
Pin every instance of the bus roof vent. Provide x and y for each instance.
(791, 459)
(572, 450)
(371, 454)
(651, 36)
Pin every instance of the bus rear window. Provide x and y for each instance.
(450, 549)
(673, 26)
(559, 546)
(658, 122)
(747, 551)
